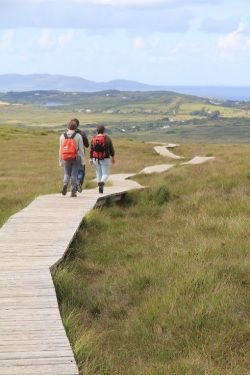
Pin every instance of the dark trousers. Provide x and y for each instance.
(81, 174)
(70, 172)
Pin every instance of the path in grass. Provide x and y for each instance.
(164, 151)
(32, 336)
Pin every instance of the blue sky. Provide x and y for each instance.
(165, 42)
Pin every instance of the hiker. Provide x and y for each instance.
(81, 170)
(101, 151)
(71, 156)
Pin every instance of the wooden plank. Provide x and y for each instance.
(32, 337)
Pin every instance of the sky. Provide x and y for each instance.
(160, 42)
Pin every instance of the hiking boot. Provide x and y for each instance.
(73, 193)
(100, 184)
(79, 188)
(64, 190)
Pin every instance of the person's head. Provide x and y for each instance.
(72, 125)
(76, 120)
(100, 129)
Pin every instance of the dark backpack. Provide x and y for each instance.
(99, 147)
(69, 147)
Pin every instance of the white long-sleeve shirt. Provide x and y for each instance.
(79, 144)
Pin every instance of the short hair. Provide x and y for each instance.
(77, 121)
(100, 129)
(72, 125)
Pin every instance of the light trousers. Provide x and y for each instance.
(102, 169)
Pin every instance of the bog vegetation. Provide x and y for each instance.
(158, 284)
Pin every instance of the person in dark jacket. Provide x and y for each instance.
(71, 165)
(101, 153)
(82, 169)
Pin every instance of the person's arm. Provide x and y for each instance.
(91, 150)
(80, 148)
(91, 153)
(111, 150)
(60, 150)
(85, 140)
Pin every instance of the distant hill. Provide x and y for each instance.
(34, 82)
(98, 100)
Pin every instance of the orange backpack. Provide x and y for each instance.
(69, 148)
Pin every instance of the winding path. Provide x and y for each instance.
(164, 151)
(32, 337)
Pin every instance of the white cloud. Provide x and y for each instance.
(48, 38)
(117, 3)
(6, 38)
(236, 41)
(139, 43)
(157, 50)
(65, 38)
(142, 43)
(44, 39)
(144, 3)
(97, 15)
(130, 2)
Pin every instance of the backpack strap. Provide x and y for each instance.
(67, 137)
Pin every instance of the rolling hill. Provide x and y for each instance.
(30, 82)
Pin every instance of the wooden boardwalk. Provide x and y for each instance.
(32, 337)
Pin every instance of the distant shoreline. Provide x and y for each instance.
(34, 82)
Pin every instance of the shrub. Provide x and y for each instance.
(161, 195)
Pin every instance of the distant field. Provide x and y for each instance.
(34, 116)
(186, 108)
(143, 116)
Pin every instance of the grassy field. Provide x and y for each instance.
(166, 118)
(188, 107)
(42, 117)
(158, 285)
(138, 115)
(30, 166)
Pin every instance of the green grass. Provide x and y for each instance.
(187, 107)
(29, 166)
(160, 283)
(137, 123)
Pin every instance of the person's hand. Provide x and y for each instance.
(112, 160)
(91, 161)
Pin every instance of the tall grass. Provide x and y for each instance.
(160, 283)
(29, 165)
